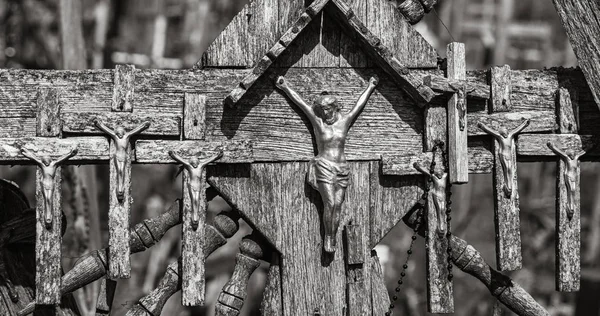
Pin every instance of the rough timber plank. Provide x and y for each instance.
(351, 54)
(83, 123)
(230, 48)
(581, 20)
(194, 116)
(192, 247)
(458, 162)
(428, 4)
(435, 126)
(157, 151)
(124, 78)
(89, 148)
(48, 113)
(406, 44)
(390, 199)
(501, 89)
(506, 215)
(48, 242)
(119, 215)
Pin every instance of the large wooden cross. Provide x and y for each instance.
(229, 103)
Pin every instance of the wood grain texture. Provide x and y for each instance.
(568, 233)
(192, 248)
(157, 151)
(380, 300)
(535, 145)
(436, 131)
(105, 297)
(48, 269)
(271, 303)
(506, 215)
(48, 122)
(507, 291)
(194, 116)
(262, 28)
(501, 89)
(581, 20)
(89, 148)
(458, 160)
(406, 44)
(119, 264)
(83, 123)
(567, 112)
(428, 4)
(153, 303)
(124, 78)
(412, 10)
(440, 84)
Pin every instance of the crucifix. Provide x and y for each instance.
(329, 172)
(120, 203)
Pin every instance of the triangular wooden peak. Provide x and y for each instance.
(351, 24)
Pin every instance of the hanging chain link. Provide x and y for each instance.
(421, 206)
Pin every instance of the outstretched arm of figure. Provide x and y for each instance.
(29, 154)
(557, 151)
(519, 129)
(179, 159)
(65, 157)
(105, 129)
(362, 100)
(488, 130)
(210, 159)
(140, 128)
(421, 169)
(283, 85)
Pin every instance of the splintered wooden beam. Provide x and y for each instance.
(280, 46)
(157, 151)
(506, 197)
(123, 81)
(234, 293)
(458, 160)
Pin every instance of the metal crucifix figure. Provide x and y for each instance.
(329, 172)
(48, 169)
(194, 168)
(571, 161)
(506, 140)
(439, 181)
(121, 143)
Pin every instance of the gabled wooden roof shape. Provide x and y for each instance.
(351, 24)
(581, 20)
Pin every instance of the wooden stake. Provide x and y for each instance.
(458, 160)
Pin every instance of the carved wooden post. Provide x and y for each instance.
(458, 161)
(232, 297)
(506, 198)
(224, 226)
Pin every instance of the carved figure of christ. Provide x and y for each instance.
(48, 169)
(329, 171)
(506, 141)
(570, 175)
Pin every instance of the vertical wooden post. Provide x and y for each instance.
(48, 242)
(458, 161)
(355, 260)
(105, 297)
(192, 246)
(568, 240)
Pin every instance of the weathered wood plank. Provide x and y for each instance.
(119, 215)
(581, 20)
(458, 162)
(440, 84)
(380, 300)
(536, 145)
(435, 126)
(501, 89)
(48, 269)
(428, 4)
(89, 148)
(230, 48)
(48, 113)
(157, 151)
(124, 78)
(263, 31)
(271, 303)
(192, 245)
(396, 33)
(83, 123)
(194, 116)
(567, 112)
(351, 54)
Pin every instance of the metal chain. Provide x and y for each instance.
(421, 205)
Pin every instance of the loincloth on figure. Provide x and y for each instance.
(321, 170)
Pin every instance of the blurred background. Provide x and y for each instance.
(172, 34)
